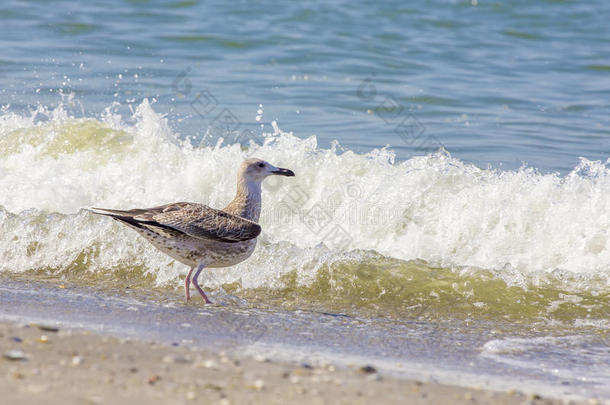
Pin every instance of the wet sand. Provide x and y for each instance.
(73, 366)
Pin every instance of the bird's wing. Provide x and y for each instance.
(196, 220)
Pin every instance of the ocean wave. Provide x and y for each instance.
(353, 226)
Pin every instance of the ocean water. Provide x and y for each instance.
(452, 161)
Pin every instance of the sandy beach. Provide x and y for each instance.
(63, 366)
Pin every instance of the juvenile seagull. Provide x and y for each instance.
(200, 236)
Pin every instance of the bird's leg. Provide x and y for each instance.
(205, 298)
(187, 284)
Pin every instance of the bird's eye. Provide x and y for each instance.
(261, 165)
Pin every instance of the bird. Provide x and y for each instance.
(204, 237)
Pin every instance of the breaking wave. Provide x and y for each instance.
(431, 234)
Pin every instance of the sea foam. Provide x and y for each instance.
(523, 227)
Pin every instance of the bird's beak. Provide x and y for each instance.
(283, 172)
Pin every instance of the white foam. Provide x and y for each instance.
(526, 226)
(583, 358)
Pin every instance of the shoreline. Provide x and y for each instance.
(63, 365)
(114, 332)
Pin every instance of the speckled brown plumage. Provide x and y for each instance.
(201, 236)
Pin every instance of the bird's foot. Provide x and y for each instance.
(196, 284)
(205, 298)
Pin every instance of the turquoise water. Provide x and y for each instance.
(437, 147)
(496, 83)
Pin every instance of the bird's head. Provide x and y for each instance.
(257, 170)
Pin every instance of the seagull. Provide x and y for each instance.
(200, 236)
